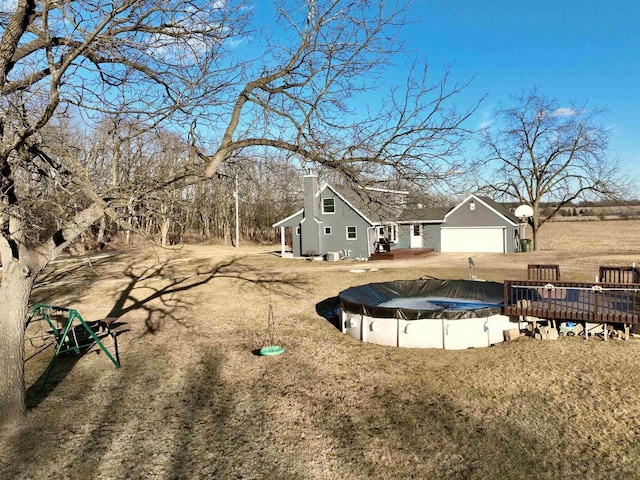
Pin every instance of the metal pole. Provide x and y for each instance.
(235, 195)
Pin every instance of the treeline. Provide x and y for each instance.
(267, 191)
(127, 161)
(586, 204)
(600, 212)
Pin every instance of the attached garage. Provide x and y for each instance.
(478, 224)
(489, 240)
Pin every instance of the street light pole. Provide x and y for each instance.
(235, 195)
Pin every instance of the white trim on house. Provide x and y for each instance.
(411, 222)
(299, 212)
(385, 190)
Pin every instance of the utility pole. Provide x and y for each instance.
(235, 195)
(237, 209)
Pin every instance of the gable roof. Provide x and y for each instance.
(491, 205)
(498, 207)
(374, 205)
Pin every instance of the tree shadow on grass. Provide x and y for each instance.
(74, 270)
(77, 344)
(157, 291)
(165, 302)
(422, 433)
(143, 425)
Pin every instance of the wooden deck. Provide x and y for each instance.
(402, 253)
(573, 301)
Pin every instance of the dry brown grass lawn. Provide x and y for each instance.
(193, 400)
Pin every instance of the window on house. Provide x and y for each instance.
(416, 230)
(297, 230)
(393, 233)
(327, 230)
(328, 205)
(352, 233)
(381, 231)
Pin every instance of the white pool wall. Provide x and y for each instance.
(449, 334)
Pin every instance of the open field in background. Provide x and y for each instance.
(613, 212)
(192, 400)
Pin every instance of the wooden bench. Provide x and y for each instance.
(613, 274)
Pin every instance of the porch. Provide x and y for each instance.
(402, 254)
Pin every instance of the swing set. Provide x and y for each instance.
(69, 332)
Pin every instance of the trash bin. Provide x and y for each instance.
(525, 245)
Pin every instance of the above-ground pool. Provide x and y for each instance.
(426, 313)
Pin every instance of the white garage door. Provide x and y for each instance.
(472, 240)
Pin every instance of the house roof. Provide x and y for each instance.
(416, 212)
(285, 220)
(378, 206)
(374, 205)
(501, 209)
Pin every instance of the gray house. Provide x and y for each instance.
(331, 222)
(335, 220)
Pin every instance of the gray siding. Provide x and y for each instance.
(431, 236)
(482, 216)
(311, 243)
(314, 238)
(344, 216)
(311, 225)
(404, 236)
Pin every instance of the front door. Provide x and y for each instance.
(416, 236)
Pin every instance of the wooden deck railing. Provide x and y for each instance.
(573, 301)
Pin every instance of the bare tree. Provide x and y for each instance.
(182, 65)
(541, 151)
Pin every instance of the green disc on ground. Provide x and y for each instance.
(272, 350)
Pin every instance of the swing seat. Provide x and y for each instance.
(72, 333)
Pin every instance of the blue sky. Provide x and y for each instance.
(584, 50)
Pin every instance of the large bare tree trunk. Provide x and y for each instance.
(15, 290)
(21, 266)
